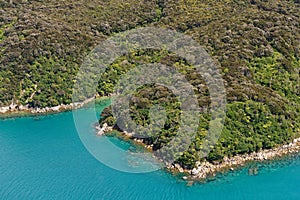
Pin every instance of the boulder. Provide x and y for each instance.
(195, 171)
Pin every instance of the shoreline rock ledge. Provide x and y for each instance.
(104, 129)
(205, 169)
(15, 108)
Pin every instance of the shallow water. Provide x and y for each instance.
(44, 158)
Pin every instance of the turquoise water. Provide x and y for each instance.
(43, 158)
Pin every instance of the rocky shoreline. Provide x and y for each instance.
(104, 129)
(202, 171)
(205, 169)
(15, 109)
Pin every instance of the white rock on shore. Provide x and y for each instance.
(4, 109)
(205, 169)
(16, 108)
(180, 169)
(104, 129)
(11, 107)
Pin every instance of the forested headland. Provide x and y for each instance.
(255, 43)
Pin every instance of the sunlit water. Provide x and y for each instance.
(43, 158)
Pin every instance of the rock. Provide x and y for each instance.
(56, 108)
(4, 109)
(225, 159)
(185, 178)
(190, 183)
(180, 169)
(260, 156)
(253, 171)
(100, 133)
(195, 171)
(109, 129)
(104, 126)
(295, 140)
(103, 129)
(128, 134)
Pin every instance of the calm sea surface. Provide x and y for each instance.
(44, 158)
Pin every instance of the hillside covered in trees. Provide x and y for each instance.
(255, 43)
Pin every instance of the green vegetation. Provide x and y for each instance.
(251, 125)
(254, 42)
(280, 77)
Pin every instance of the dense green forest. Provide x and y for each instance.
(255, 43)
